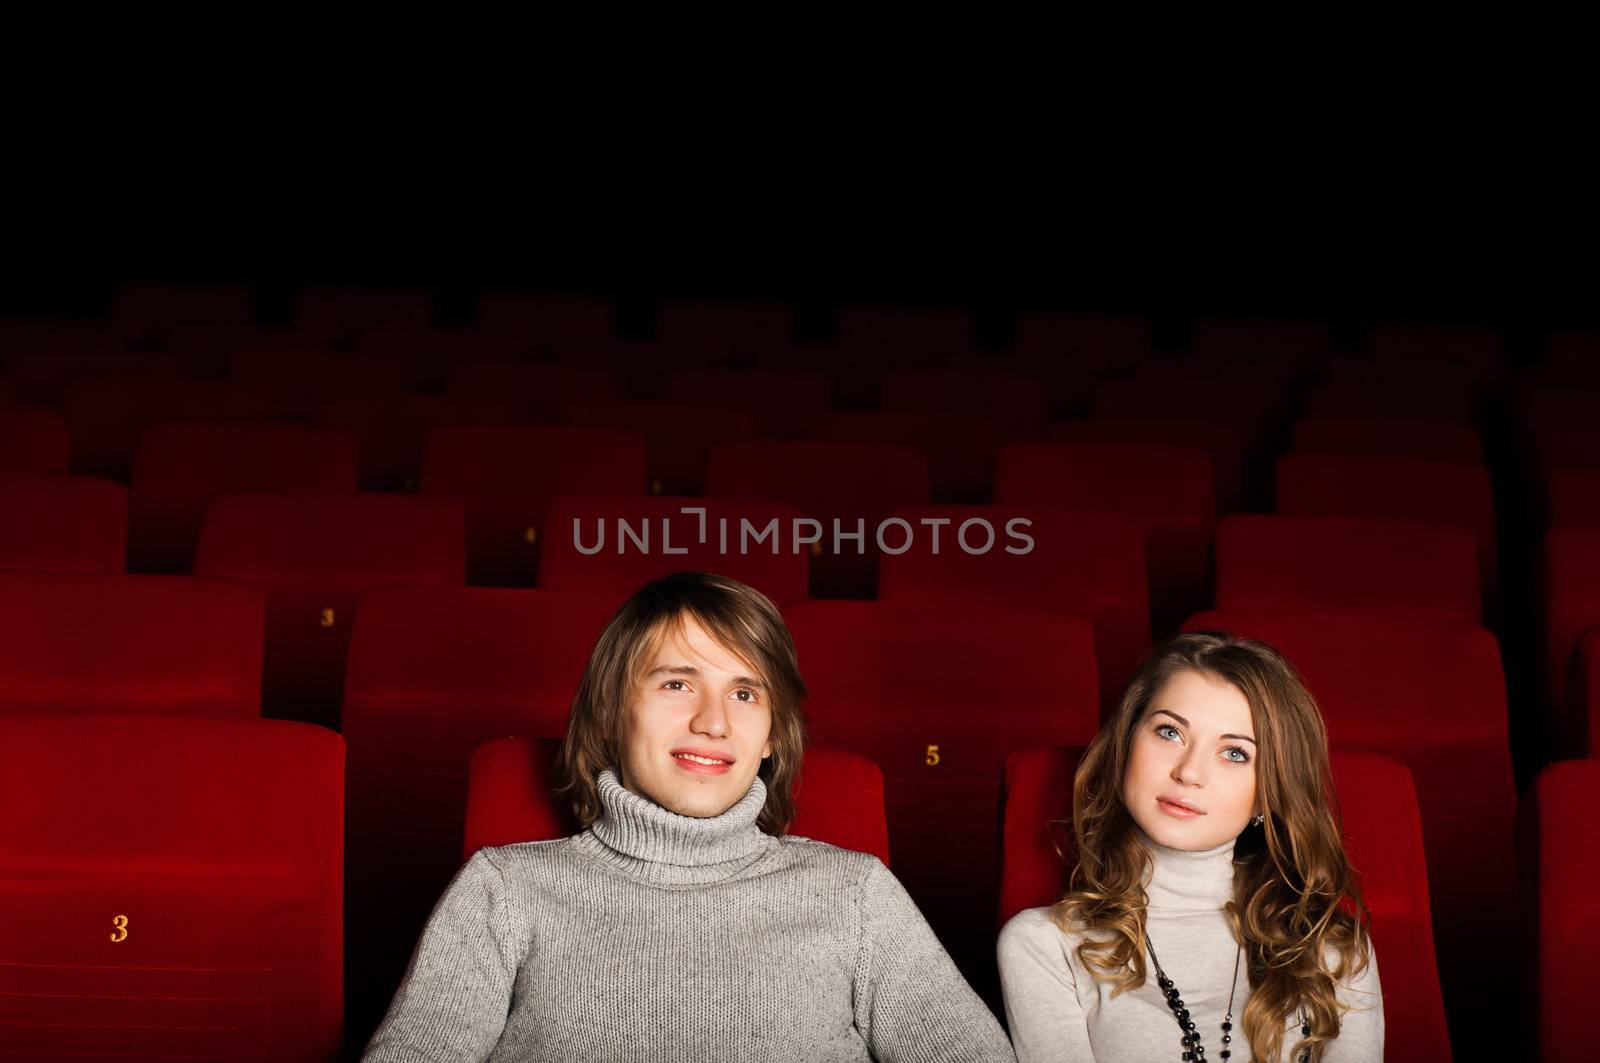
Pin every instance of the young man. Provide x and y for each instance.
(681, 924)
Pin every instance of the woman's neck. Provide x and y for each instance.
(1187, 879)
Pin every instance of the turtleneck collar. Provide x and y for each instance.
(641, 839)
(1188, 880)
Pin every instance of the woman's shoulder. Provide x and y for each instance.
(1033, 930)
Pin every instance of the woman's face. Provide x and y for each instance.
(1191, 778)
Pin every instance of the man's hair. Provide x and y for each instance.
(742, 620)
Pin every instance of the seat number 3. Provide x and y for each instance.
(121, 931)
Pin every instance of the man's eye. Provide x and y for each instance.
(674, 684)
(745, 694)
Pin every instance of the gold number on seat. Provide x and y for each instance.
(933, 756)
(121, 931)
(531, 534)
(327, 618)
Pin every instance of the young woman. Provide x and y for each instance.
(682, 924)
(1212, 913)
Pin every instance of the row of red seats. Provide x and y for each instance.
(197, 923)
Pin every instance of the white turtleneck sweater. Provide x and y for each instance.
(655, 936)
(1058, 1012)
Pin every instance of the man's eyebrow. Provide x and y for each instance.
(1180, 719)
(693, 672)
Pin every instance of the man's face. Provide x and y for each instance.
(697, 728)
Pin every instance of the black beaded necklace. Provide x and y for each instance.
(1193, 1050)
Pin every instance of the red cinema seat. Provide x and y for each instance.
(1417, 489)
(1255, 407)
(34, 441)
(1559, 843)
(311, 555)
(293, 385)
(895, 332)
(1015, 404)
(533, 393)
(180, 466)
(1224, 443)
(725, 329)
(1383, 838)
(1573, 497)
(433, 673)
(616, 545)
(510, 798)
(845, 488)
(1168, 491)
(107, 417)
(959, 448)
(677, 435)
(63, 523)
(171, 889)
(1571, 607)
(74, 643)
(786, 404)
(1477, 348)
(1388, 395)
(336, 313)
(391, 431)
(508, 475)
(1302, 343)
(1583, 721)
(1567, 441)
(5, 392)
(1395, 437)
(1088, 564)
(545, 324)
(43, 379)
(1339, 564)
(1111, 344)
(1432, 695)
(144, 307)
(941, 731)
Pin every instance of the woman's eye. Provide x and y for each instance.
(1242, 758)
(1164, 728)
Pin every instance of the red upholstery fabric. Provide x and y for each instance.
(838, 800)
(1089, 565)
(331, 313)
(788, 404)
(391, 431)
(108, 416)
(293, 385)
(621, 566)
(843, 482)
(531, 393)
(1348, 565)
(541, 325)
(139, 308)
(63, 523)
(1383, 838)
(72, 643)
(34, 441)
(1574, 497)
(180, 466)
(1224, 443)
(1111, 344)
(1307, 343)
(1168, 491)
(1348, 398)
(896, 331)
(678, 435)
(310, 555)
(1254, 406)
(1476, 348)
(1582, 735)
(727, 329)
(1571, 607)
(43, 379)
(939, 709)
(433, 673)
(1386, 488)
(959, 449)
(1560, 850)
(509, 475)
(1396, 437)
(171, 888)
(1015, 404)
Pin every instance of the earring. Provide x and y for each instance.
(1258, 819)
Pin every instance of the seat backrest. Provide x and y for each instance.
(173, 888)
(34, 441)
(63, 524)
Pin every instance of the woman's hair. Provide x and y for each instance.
(1295, 896)
(738, 617)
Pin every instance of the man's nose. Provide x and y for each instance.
(710, 718)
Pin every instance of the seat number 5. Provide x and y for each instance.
(933, 756)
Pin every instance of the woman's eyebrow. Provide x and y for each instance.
(1180, 719)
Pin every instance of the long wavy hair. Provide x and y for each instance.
(737, 616)
(1296, 901)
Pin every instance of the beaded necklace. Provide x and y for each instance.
(1193, 1050)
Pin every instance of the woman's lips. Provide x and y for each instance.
(1177, 811)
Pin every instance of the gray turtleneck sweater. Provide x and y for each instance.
(655, 936)
(1058, 1012)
